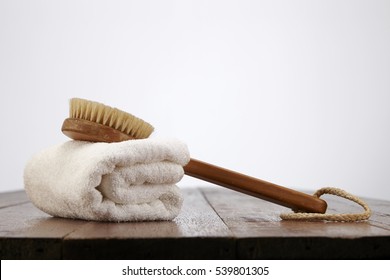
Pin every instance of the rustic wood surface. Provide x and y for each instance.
(215, 223)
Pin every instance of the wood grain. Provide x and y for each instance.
(215, 223)
(13, 198)
(380, 210)
(197, 233)
(28, 233)
(256, 218)
(261, 234)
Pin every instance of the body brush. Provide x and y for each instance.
(96, 122)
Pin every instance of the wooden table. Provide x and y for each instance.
(215, 223)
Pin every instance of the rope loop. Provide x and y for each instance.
(349, 217)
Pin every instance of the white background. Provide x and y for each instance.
(292, 92)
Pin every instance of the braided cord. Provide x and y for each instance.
(349, 217)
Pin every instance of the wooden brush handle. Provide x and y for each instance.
(254, 187)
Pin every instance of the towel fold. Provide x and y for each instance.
(127, 181)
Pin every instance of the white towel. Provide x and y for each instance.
(127, 181)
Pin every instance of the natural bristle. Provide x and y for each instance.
(109, 116)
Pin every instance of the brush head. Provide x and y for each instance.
(96, 122)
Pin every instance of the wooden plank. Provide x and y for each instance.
(30, 248)
(28, 233)
(307, 248)
(250, 217)
(215, 223)
(196, 233)
(26, 221)
(13, 198)
(380, 216)
(262, 234)
(24, 226)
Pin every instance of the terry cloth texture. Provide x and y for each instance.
(127, 181)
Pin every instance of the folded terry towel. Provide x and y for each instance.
(127, 181)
